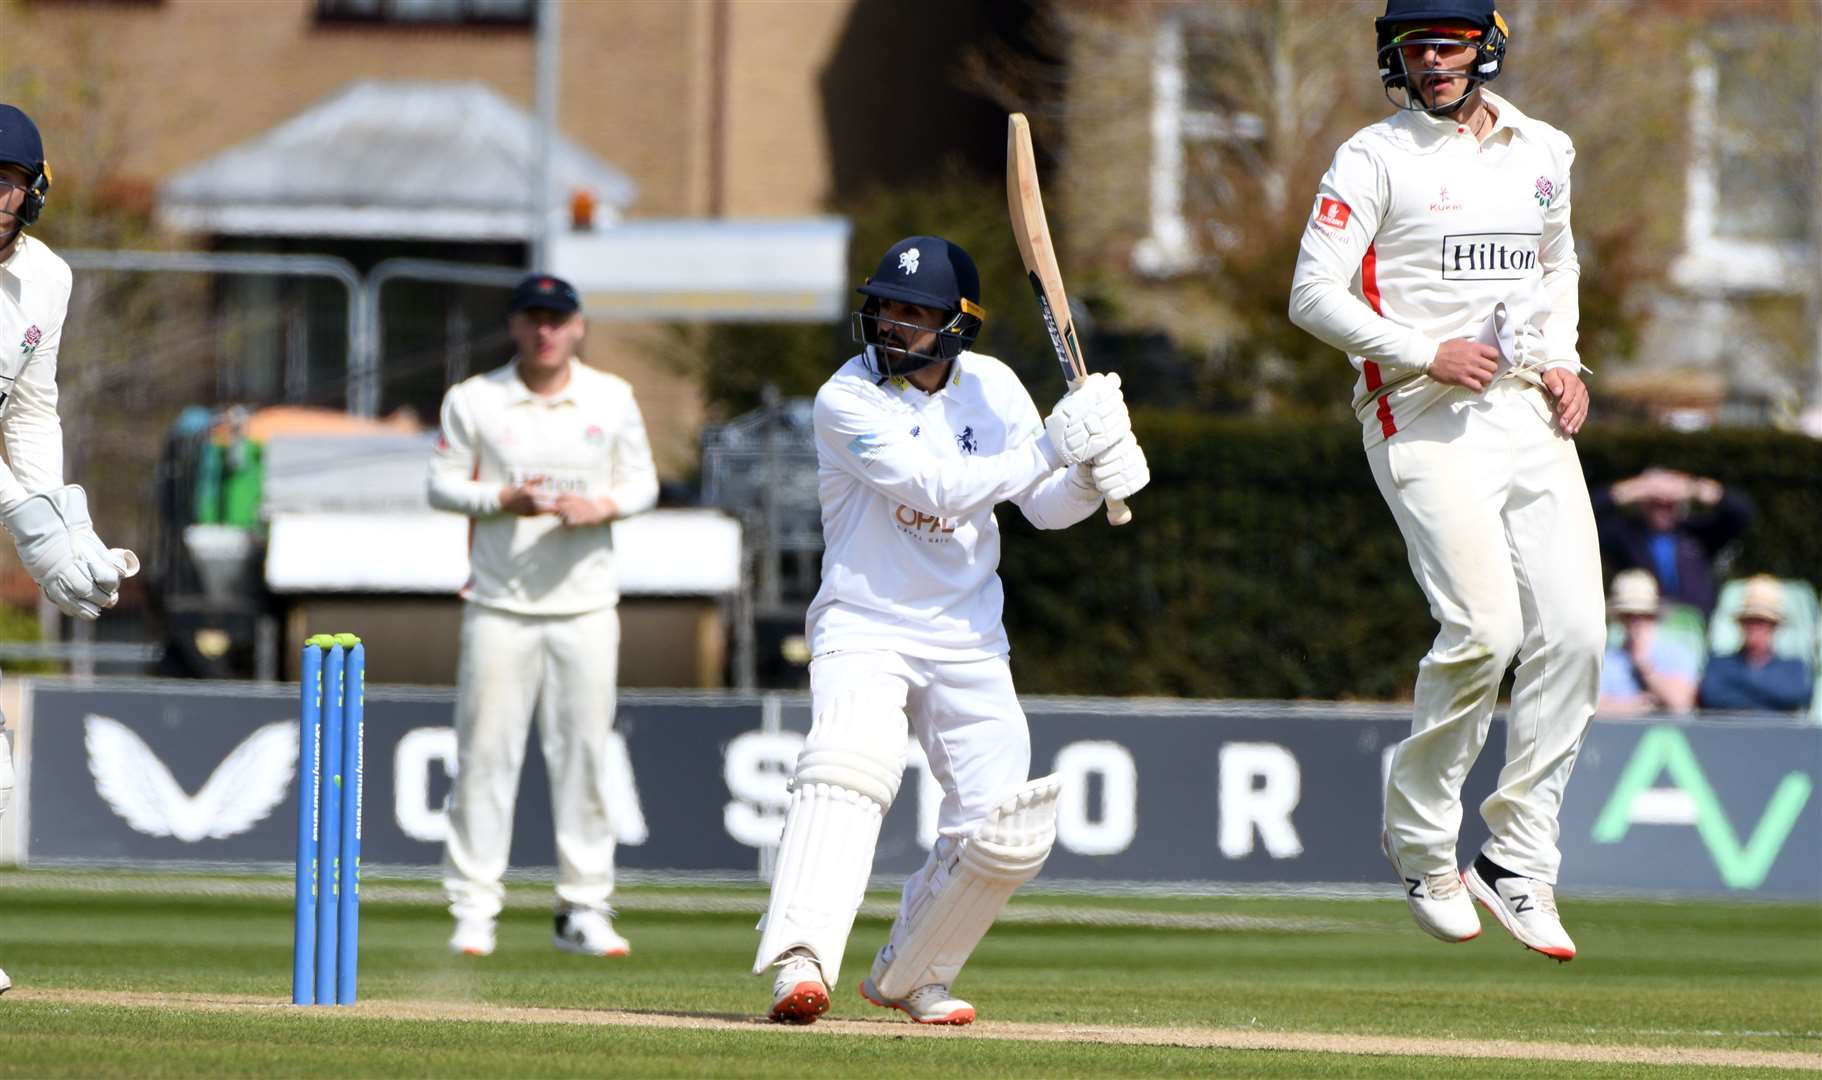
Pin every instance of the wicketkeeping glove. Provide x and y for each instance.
(58, 545)
(1089, 420)
(1121, 472)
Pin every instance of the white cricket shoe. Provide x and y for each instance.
(1438, 901)
(799, 994)
(587, 932)
(1526, 907)
(5, 983)
(474, 936)
(931, 1003)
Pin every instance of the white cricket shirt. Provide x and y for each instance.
(34, 299)
(587, 439)
(908, 482)
(1418, 232)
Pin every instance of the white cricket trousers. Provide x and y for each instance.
(564, 666)
(6, 769)
(1497, 524)
(966, 716)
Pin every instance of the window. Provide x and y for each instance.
(1762, 124)
(428, 12)
(1194, 106)
(1750, 206)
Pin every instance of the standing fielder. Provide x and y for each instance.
(916, 440)
(543, 454)
(1439, 257)
(48, 519)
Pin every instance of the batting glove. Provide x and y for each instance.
(59, 548)
(1121, 472)
(1089, 420)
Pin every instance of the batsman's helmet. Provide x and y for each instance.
(930, 272)
(21, 146)
(1404, 25)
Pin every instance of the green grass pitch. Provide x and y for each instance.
(126, 981)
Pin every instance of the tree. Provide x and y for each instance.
(1258, 94)
(737, 362)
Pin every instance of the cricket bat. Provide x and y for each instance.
(1026, 205)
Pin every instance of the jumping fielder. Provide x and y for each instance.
(48, 519)
(917, 439)
(1438, 256)
(543, 454)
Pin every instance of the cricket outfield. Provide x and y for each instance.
(150, 975)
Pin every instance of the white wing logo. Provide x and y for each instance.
(907, 260)
(239, 794)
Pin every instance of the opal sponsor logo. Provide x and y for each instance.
(926, 527)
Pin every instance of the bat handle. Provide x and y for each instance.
(1117, 512)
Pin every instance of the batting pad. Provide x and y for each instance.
(967, 891)
(847, 776)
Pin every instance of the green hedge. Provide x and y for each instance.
(1262, 562)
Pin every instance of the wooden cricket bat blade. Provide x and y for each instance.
(1025, 206)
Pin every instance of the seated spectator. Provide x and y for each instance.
(1672, 524)
(1756, 677)
(1648, 671)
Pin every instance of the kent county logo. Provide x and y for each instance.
(1545, 191)
(907, 260)
(33, 336)
(966, 441)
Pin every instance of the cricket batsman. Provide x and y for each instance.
(917, 440)
(1438, 256)
(48, 519)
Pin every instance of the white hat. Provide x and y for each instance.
(1763, 599)
(1635, 592)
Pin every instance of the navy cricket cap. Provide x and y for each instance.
(1477, 12)
(19, 141)
(545, 291)
(928, 271)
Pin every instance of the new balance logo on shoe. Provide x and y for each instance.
(1438, 902)
(1530, 916)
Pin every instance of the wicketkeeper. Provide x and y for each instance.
(917, 439)
(48, 519)
(1438, 256)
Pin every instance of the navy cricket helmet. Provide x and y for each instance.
(930, 272)
(21, 146)
(1415, 22)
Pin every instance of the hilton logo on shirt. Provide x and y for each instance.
(1489, 256)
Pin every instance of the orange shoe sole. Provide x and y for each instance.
(806, 1001)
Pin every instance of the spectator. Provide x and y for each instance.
(1755, 677)
(1648, 671)
(1681, 523)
